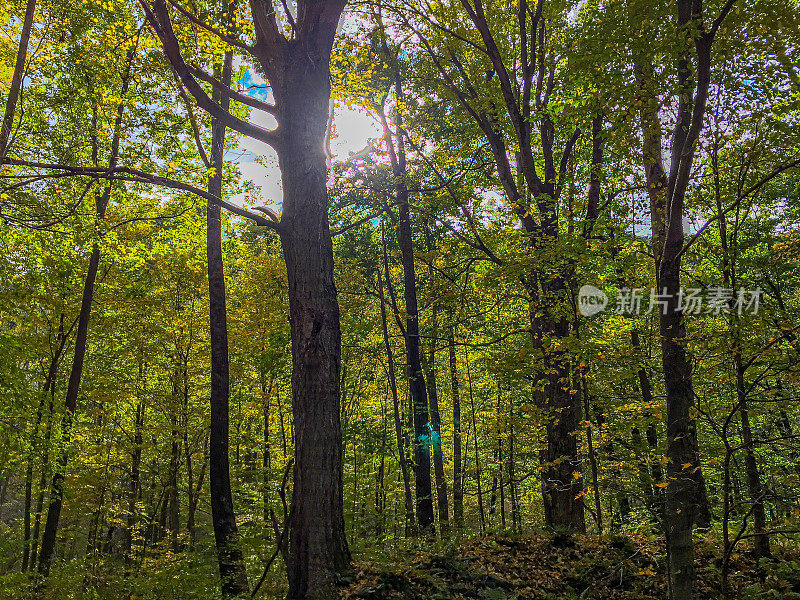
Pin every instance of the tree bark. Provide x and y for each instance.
(298, 70)
(398, 425)
(754, 486)
(436, 436)
(591, 450)
(134, 482)
(57, 484)
(232, 570)
(416, 380)
(686, 500)
(16, 78)
(458, 476)
(481, 511)
(81, 336)
(318, 549)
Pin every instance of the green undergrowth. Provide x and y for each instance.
(492, 567)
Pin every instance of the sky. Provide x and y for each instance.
(352, 130)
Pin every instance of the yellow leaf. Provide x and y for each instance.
(663, 484)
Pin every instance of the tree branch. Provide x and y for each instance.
(131, 174)
(158, 17)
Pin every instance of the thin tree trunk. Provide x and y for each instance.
(398, 425)
(436, 436)
(30, 540)
(266, 457)
(233, 573)
(45, 471)
(512, 485)
(592, 453)
(754, 485)
(173, 505)
(134, 484)
(81, 336)
(26, 509)
(16, 78)
(194, 500)
(57, 484)
(416, 380)
(458, 476)
(481, 510)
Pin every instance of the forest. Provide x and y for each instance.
(539, 339)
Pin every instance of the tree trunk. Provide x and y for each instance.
(512, 485)
(173, 503)
(561, 490)
(45, 472)
(81, 336)
(31, 539)
(481, 511)
(16, 78)
(685, 494)
(57, 484)
(458, 477)
(656, 474)
(592, 453)
(754, 486)
(729, 280)
(318, 549)
(398, 425)
(134, 484)
(266, 453)
(26, 509)
(436, 436)
(232, 570)
(416, 380)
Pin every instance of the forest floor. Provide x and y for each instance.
(558, 568)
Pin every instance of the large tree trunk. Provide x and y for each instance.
(682, 498)
(318, 549)
(561, 489)
(229, 555)
(298, 70)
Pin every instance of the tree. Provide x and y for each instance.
(298, 72)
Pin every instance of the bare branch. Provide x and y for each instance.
(232, 94)
(131, 174)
